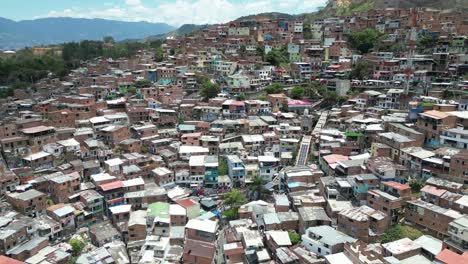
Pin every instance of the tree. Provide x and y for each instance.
(159, 54)
(365, 40)
(235, 198)
(294, 237)
(313, 89)
(447, 94)
(143, 83)
(277, 56)
(144, 149)
(416, 185)
(360, 70)
(258, 187)
(241, 97)
(260, 51)
(131, 90)
(77, 244)
(118, 150)
(231, 213)
(209, 90)
(297, 92)
(109, 39)
(284, 107)
(427, 42)
(222, 167)
(274, 88)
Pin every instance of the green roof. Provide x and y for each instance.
(353, 134)
(165, 81)
(158, 209)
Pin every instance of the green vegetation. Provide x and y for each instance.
(355, 7)
(398, 232)
(234, 199)
(241, 97)
(426, 43)
(159, 54)
(143, 83)
(24, 68)
(365, 40)
(297, 92)
(360, 71)
(222, 167)
(74, 52)
(274, 88)
(447, 94)
(209, 90)
(77, 243)
(428, 104)
(132, 90)
(416, 186)
(108, 39)
(258, 185)
(353, 134)
(277, 56)
(294, 237)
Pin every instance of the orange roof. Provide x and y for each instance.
(436, 114)
(186, 202)
(334, 158)
(397, 185)
(112, 185)
(449, 257)
(433, 190)
(7, 260)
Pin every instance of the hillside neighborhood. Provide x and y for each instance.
(333, 139)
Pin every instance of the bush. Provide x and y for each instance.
(294, 237)
(398, 232)
(231, 214)
(365, 40)
(209, 90)
(297, 92)
(274, 88)
(416, 186)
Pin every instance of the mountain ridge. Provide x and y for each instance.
(47, 31)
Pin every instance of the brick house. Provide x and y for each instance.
(31, 202)
(363, 223)
(430, 216)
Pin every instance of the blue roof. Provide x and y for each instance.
(183, 127)
(216, 212)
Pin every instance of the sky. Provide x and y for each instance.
(173, 12)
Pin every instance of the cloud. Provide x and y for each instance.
(178, 12)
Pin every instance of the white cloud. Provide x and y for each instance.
(178, 12)
(133, 2)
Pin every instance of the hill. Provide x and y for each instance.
(181, 31)
(268, 15)
(45, 31)
(348, 7)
